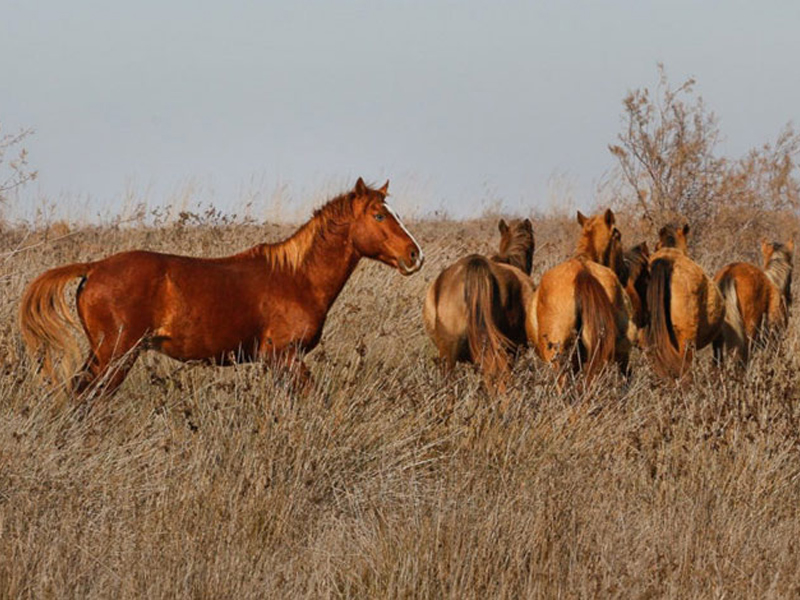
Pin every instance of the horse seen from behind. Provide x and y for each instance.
(267, 303)
(474, 310)
(756, 301)
(580, 312)
(686, 307)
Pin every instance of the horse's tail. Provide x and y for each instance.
(661, 338)
(487, 344)
(596, 323)
(733, 330)
(47, 324)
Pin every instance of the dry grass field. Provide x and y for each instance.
(390, 480)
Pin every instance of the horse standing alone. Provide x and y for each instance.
(475, 309)
(266, 303)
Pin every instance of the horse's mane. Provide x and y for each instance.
(779, 268)
(586, 248)
(635, 261)
(518, 250)
(612, 256)
(291, 253)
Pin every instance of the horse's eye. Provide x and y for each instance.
(379, 217)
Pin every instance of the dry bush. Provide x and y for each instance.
(669, 168)
(14, 169)
(389, 480)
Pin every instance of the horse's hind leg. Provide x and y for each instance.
(449, 351)
(295, 372)
(687, 354)
(107, 366)
(719, 350)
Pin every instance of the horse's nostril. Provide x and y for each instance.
(414, 255)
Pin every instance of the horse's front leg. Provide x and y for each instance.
(288, 363)
(297, 373)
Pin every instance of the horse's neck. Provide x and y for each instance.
(328, 265)
(779, 272)
(587, 250)
(519, 261)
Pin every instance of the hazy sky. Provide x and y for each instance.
(457, 102)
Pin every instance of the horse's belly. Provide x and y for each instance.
(213, 344)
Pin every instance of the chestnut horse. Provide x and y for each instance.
(475, 309)
(582, 303)
(756, 302)
(266, 303)
(686, 307)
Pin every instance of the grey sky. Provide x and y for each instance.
(456, 102)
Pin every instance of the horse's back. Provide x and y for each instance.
(754, 292)
(697, 308)
(552, 317)
(189, 308)
(445, 305)
(445, 312)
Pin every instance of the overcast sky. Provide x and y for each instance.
(459, 103)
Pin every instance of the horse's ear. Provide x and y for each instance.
(502, 226)
(662, 232)
(528, 225)
(361, 187)
(790, 245)
(385, 189)
(645, 249)
(685, 229)
(764, 246)
(582, 218)
(609, 217)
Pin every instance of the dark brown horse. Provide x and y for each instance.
(266, 303)
(475, 309)
(756, 301)
(636, 279)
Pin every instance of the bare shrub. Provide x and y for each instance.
(15, 158)
(669, 166)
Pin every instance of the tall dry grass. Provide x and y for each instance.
(391, 481)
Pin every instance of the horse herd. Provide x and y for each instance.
(269, 303)
(592, 309)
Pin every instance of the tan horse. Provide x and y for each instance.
(475, 309)
(686, 307)
(581, 304)
(673, 236)
(756, 302)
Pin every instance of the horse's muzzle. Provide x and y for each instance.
(418, 257)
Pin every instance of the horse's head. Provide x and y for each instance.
(673, 236)
(516, 244)
(776, 249)
(377, 231)
(601, 240)
(778, 265)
